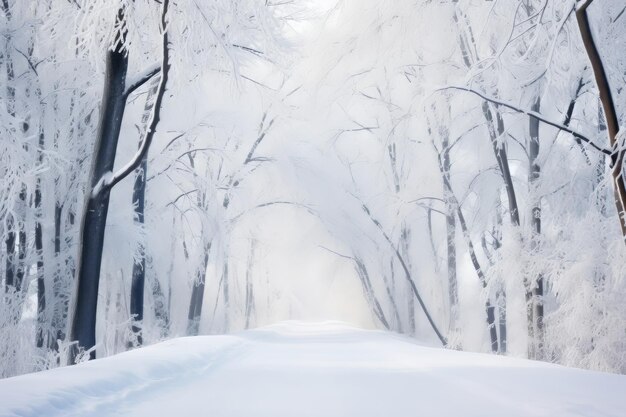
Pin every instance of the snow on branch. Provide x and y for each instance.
(532, 114)
(141, 78)
(109, 180)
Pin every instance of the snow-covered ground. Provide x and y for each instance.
(322, 370)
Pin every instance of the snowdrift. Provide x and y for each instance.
(318, 370)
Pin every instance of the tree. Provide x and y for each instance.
(116, 91)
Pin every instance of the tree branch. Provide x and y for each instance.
(532, 114)
(407, 273)
(109, 181)
(141, 79)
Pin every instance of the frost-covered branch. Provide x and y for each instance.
(532, 114)
(272, 203)
(142, 78)
(109, 180)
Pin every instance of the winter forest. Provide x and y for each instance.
(449, 170)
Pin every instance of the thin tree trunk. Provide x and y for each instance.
(139, 265)
(534, 288)
(407, 275)
(161, 308)
(404, 246)
(9, 242)
(489, 309)
(43, 335)
(610, 111)
(226, 295)
(366, 283)
(197, 297)
(500, 292)
(139, 203)
(249, 310)
(468, 56)
(453, 293)
(58, 308)
(389, 288)
(10, 225)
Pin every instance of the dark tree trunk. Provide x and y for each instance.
(10, 257)
(83, 320)
(469, 55)
(197, 298)
(21, 251)
(489, 309)
(10, 225)
(42, 331)
(58, 308)
(139, 203)
(139, 265)
(503, 163)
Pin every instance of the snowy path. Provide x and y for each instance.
(321, 370)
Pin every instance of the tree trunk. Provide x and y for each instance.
(405, 248)
(534, 288)
(453, 293)
(489, 309)
(610, 111)
(469, 56)
(83, 315)
(368, 291)
(249, 310)
(197, 297)
(226, 295)
(10, 225)
(139, 203)
(139, 265)
(43, 335)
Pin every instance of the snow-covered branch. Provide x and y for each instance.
(532, 114)
(141, 78)
(109, 181)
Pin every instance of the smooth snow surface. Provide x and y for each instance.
(321, 370)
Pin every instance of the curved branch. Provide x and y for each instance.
(109, 181)
(272, 203)
(532, 114)
(141, 79)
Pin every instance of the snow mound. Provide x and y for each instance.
(319, 370)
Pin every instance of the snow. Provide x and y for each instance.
(311, 369)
